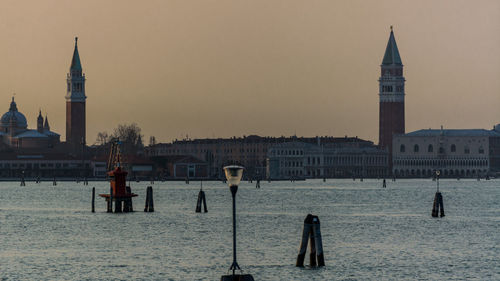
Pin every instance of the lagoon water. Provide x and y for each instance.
(369, 232)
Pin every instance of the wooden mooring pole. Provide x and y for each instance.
(93, 199)
(110, 200)
(149, 207)
(312, 232)
(201, 200)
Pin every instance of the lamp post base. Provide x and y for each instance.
(237, 277)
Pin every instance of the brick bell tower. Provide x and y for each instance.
(392, 97)
(75, 102)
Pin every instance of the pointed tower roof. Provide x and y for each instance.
(391, 52)
(75, 62)
(46, 125)
(40, 114)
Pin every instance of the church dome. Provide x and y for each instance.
(14, 116)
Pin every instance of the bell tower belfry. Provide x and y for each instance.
(75, 102)
(392, 96)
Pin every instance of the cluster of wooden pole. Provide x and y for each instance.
(54, 183)
(201, 200)
(122, 205)
(257, 185)
(312, 233)
(384, 184)
(149, 207)
(438, 205)
(23, 183)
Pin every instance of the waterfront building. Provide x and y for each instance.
(456, 153)
(248, 151)
(392, 96)
(296, 160)
(15, 134)
(75, 103)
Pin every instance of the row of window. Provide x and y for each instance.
(39, 165)
(430, 148)
(290, 152)
(291, 163)
(445, 172)
(355, 160)
(441, 162)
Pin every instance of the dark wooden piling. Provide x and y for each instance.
(110, 200)
(201, 201)
(438, 206)
(149, 206)
(312, 248)
(54, 182)
(441, 204)
(305, 238)
(93, 199)
(85, 181)
(118, 205)
(311, 232)
(257, 185)
(127, 204)
(384, 183)
(318, 241)
(23, 183)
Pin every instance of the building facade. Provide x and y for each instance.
(298, 160)
(248, 151)
(455, 153)
(15, 134)
(392, 96)
(75, 103)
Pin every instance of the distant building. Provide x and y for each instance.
(14, 131)
(392, 96)
(40, 152)
(249, 151)
(295, 160)
(456, 153)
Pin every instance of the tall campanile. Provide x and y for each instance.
(75, 102)
(392, 96)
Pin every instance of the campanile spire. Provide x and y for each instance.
(392, 96)
(75, 101)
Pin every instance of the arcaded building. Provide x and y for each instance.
(454, 152)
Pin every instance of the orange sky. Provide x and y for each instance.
(224, 68)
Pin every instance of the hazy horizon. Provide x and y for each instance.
(234, 68)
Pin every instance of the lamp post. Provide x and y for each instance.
(233, 176)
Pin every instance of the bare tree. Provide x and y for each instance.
(129, 135)
(102, 138)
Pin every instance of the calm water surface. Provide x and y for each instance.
(369, 233)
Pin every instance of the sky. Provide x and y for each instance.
(267, 67)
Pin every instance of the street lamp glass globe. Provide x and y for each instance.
(233, 174)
